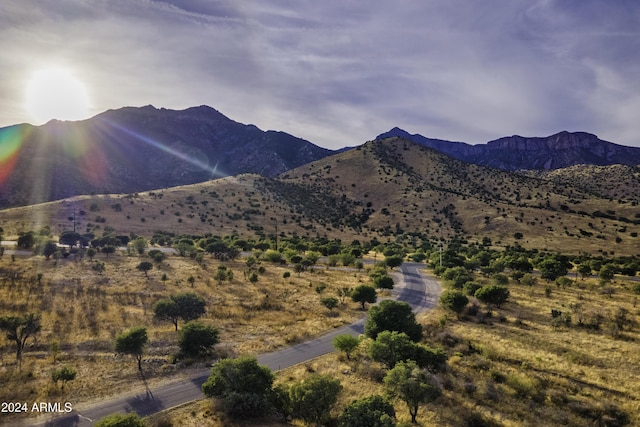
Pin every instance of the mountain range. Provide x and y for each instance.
(390, 189)
(516, 152)
(138, 149)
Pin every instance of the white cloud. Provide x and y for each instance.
(338, 73)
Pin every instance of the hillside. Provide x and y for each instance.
(137, 149)
(390, 189)
(515, 152)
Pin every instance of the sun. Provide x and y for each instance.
(55, 93)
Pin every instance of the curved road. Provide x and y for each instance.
(412, 286)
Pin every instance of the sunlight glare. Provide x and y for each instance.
(55, 93)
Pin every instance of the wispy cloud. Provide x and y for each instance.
(338, 73)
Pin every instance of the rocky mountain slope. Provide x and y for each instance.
(557, 151)
(136, 149)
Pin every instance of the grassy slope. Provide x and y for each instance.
(401, 186)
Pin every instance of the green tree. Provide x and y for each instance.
(384, 282)
(132, 342)
(371, 411)
(364, 294)
(187, 306)
(553, 267)
(607, 273)
(529, 280)
(312, 399)
(49, 248)
(140, 244)
(121, 420)
(392, 347)
(19, 329)
(584, 269)
(454, 300)
(412, 385)
(69, 238)
(493, 295)
(108, 250)
(457, 276)
(346, 343)
(197, 338)
(392, 315)
(64, 375)
(26, 240)
(243, 385)
(393, 261)
(145, 266)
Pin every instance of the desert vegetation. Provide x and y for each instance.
(554, 351)
(88, 326)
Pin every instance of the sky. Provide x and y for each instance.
(340, 72)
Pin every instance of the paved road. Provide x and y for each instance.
(412, 286)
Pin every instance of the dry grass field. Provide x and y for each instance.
(518, 367)
(83, 311)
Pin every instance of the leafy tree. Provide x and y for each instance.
(607, 273)
(19, 329)
(371, 411)
(132, 342)
(457, 276)
(392, 315)
(187, 306)
(64, 374)
(197, 338)
(500, 279)
(346, 343)
(312, 257)
(330, 302)
(156, 255)
(493, 295)
(392, 347)
(49, 248)
(145, 266)
(429, 358)
(454, 300)
(140, 244)
(553, 267)
(108, 250)
(412, 385)
(364, 294)
(393, 261)
(121, 420)
(529, 280)
(69, 238)
(26, 240)
(222, 250)
(312, 399)
(243, 385)
(384, 282)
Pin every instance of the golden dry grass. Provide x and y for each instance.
(84, 311)
(513, 369)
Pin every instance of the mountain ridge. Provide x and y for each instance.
(137, 149)
(516, 152)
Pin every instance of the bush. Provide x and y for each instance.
(271, 255)
(121, 420)
(371, 411)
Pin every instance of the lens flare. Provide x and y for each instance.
(10, 141)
